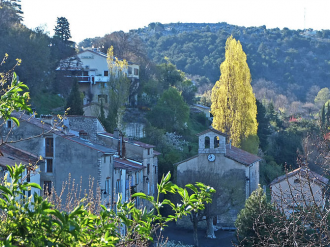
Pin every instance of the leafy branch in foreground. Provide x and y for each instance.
(33, 221)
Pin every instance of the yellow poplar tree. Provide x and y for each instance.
(234, 106)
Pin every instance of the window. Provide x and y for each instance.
(106, 73)
(49, 165)
(296, 181)
(155, 169)
(47, 187)
(136, 72)
(9, 125)
(148, 169)
(118, 186)
(129, 70)
(49, 147)
(207, 142)
(107, 186)
(148, 151)
(105, 159)
(136, 178)
(216, 142)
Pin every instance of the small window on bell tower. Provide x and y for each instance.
(216, 141)
(207, 142)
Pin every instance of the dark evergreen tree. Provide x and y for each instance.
(10, 12)
(62, 29)
(322, 120)
(75, 101)
(263, 125)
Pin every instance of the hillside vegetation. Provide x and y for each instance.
(294, 60)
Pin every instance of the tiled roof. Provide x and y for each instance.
(48, 128)
(304, 172)
(240, 155)
(138, 143)
(127, 164)
(211, 130)
(11, 155)
(87, 143)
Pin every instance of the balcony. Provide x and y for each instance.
(101, 78)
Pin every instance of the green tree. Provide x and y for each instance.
(263, 125)
(322, 96)
(75, 101)
(118, 90)
(233, 102)
(171, 112)
(62, 29)
(10, 12)
(247, 220)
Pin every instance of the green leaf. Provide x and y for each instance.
(34, 185)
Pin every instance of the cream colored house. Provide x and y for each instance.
(233, 172)
(299, 188)
(90, 67)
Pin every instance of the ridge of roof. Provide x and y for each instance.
(211, 129)
(301, 171)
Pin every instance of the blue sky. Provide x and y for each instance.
(98, 17)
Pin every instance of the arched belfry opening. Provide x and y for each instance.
(216, 141)
(207, 142)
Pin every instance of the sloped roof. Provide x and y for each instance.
(128, 164)
(211, 130)
(240, 155)
(137, 143)
(304, 172)
(10, 155)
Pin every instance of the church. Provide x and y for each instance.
(233, 172)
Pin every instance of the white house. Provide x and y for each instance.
(90, 67)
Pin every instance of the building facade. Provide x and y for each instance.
(298, 189)
(76, 147)
(234, 174)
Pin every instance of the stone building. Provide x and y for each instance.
(233, 172)
(298, 188)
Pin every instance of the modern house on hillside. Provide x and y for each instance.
(90, 68)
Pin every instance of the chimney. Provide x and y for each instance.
(116, 133)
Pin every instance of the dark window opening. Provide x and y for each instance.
(216, 142)
(9, 124)
(207, 142)
(148, 151)
(129, 70)
(106, 73)
(155, 169)
(49, 147)
(136, 72)
(49, 164)
(296, 181)
(148, 169)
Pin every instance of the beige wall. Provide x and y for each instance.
(297, 191)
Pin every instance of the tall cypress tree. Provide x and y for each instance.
(234, 106)
(62, 29)
(75, 101)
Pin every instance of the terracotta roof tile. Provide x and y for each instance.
(240, 155)
(11, 155)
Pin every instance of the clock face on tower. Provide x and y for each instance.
(211, 157)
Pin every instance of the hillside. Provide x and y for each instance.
(294, 60)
